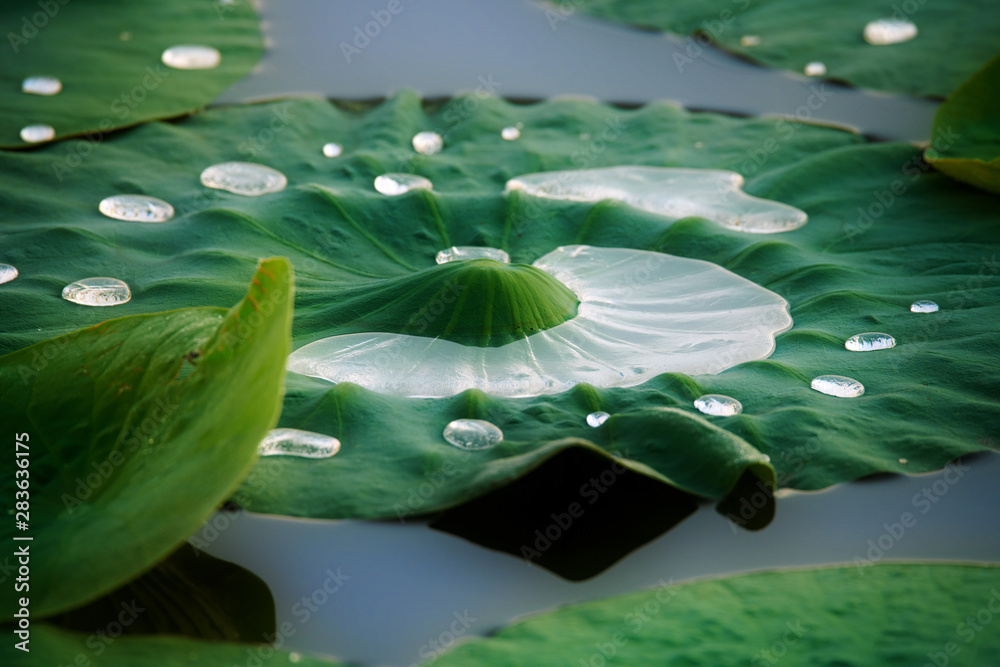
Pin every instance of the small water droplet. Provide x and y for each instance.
(295, 442)
(718, 405)
(865, 342)
(34, 134)
(595, 419)
(472, 434)
(136, 208)
(510, 133)
(923, 306)
(332, 150)
(97, 292)
(191, 56)
(837, 385)
(427, 143)
(815, 68)
(397, 184)
(294, 657)
(903, 461)
(7, 273)
(471, 252)
(244, 178)
(41, 85)
(747, 41)
(889, 31)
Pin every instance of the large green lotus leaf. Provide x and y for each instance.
(884, 230)
(885, 614)
(793, 34)
(136, 429)
(965, 141)
(107, 55)
(54, 646)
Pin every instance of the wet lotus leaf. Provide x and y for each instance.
(885, 230)
(55, 646)
(107, 54)
(793, 34)
(883, 614)
(965, 139)
(137, 428)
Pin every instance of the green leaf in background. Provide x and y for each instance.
(885, 614)
(130, 447)
(792, 34)
(107, 54)
(965, 141)
(874, 244)
(191, 594)
(55, 646)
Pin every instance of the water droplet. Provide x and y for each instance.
(595, 419)
(838, 385)
(332, 150)
(923, 306)
(472, 434)
(294, 442)
(191, 56)
(866, 342)
(34, 134)
(97, 292)
(427, 143)
(510, 133)
(718, 405)
(903, 461)
(815, 68)
(747, 41)
(677, 193)
(294, 657)
(397, 184)
(471, 252)
(41, 85)
(244, 178)
(136, 208)
(7, 273)
(889, 31)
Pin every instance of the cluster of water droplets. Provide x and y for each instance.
(97, 292)
(295, 442)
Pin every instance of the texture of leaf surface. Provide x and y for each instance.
(793, 34)
(965, 137)
(55, 646)
(884, 230)
(886, 614)
(107, 55)
(131, 448)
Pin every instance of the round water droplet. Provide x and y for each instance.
(295, 442)
(427, 143)
(41, 85)
(472, 434)
(510, 133)
(923, 307)
(595, 419)
(815, 68)
(332, 150)
(838, 385)
(865, 342)
(471, 252)
(718, 405)
(903, 461)
(7, 273)
(397, 184)
(34, 134)
(97, 292)
(747, 41)
(191, 56)
(889, 31)
(244, 178)
(136, 208)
